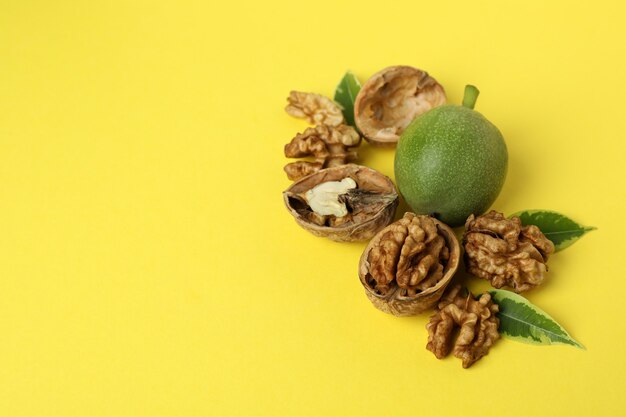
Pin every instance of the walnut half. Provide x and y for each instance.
(407, 265)
(503, 252)
(345, 203)
(476, 319)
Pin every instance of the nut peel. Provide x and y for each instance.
(391, 99)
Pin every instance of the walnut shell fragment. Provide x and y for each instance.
(370, 204)
(391, 99)
(406, 267)
(476, 319)
(503, 252)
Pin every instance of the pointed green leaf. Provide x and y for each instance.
(560, 229)
(345, 94)
(520, 320)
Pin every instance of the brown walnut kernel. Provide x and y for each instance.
(503, 252)
(328, 145)
(412, 252)
(391, 99)
(317, 109)
(476, 319)
(406, 266)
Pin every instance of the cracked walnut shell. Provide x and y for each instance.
(503, 252)
(407, 265)
(329, 146)
(476, 319)
(369, 201)
(391, 99)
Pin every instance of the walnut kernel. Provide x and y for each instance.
(476, 319)
(328, 145)
(316, 108)
(503, 252)
(324, 198)
(407, 265)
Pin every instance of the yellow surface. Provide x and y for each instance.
(149, 268)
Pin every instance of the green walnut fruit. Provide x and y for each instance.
(451, 162)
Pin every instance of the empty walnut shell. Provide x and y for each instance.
(395, 300)
(371, 207)
(391, 99)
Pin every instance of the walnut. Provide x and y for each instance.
(324, 199)
(407, 265)
(476, 319)
(328, 145)
(500, 250)
(345, 203)
(391, 99)
(316, 108)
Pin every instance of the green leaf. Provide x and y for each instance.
(520, 320)
(345, 94)
(561, 230)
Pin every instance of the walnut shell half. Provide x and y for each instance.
(391, 99)
(371, 205)
(421, 246)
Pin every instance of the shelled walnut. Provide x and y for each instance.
(329, 143)
(345, 203)
(329, 146)
(503, 252)
(476, 319)
(407, 265)
(317, 109)
(391, 99)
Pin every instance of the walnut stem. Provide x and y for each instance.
(470, 96)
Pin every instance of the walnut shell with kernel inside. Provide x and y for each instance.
(351, 213)
(391, 99)
(406, 267)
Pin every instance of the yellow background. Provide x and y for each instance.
(149, 268)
